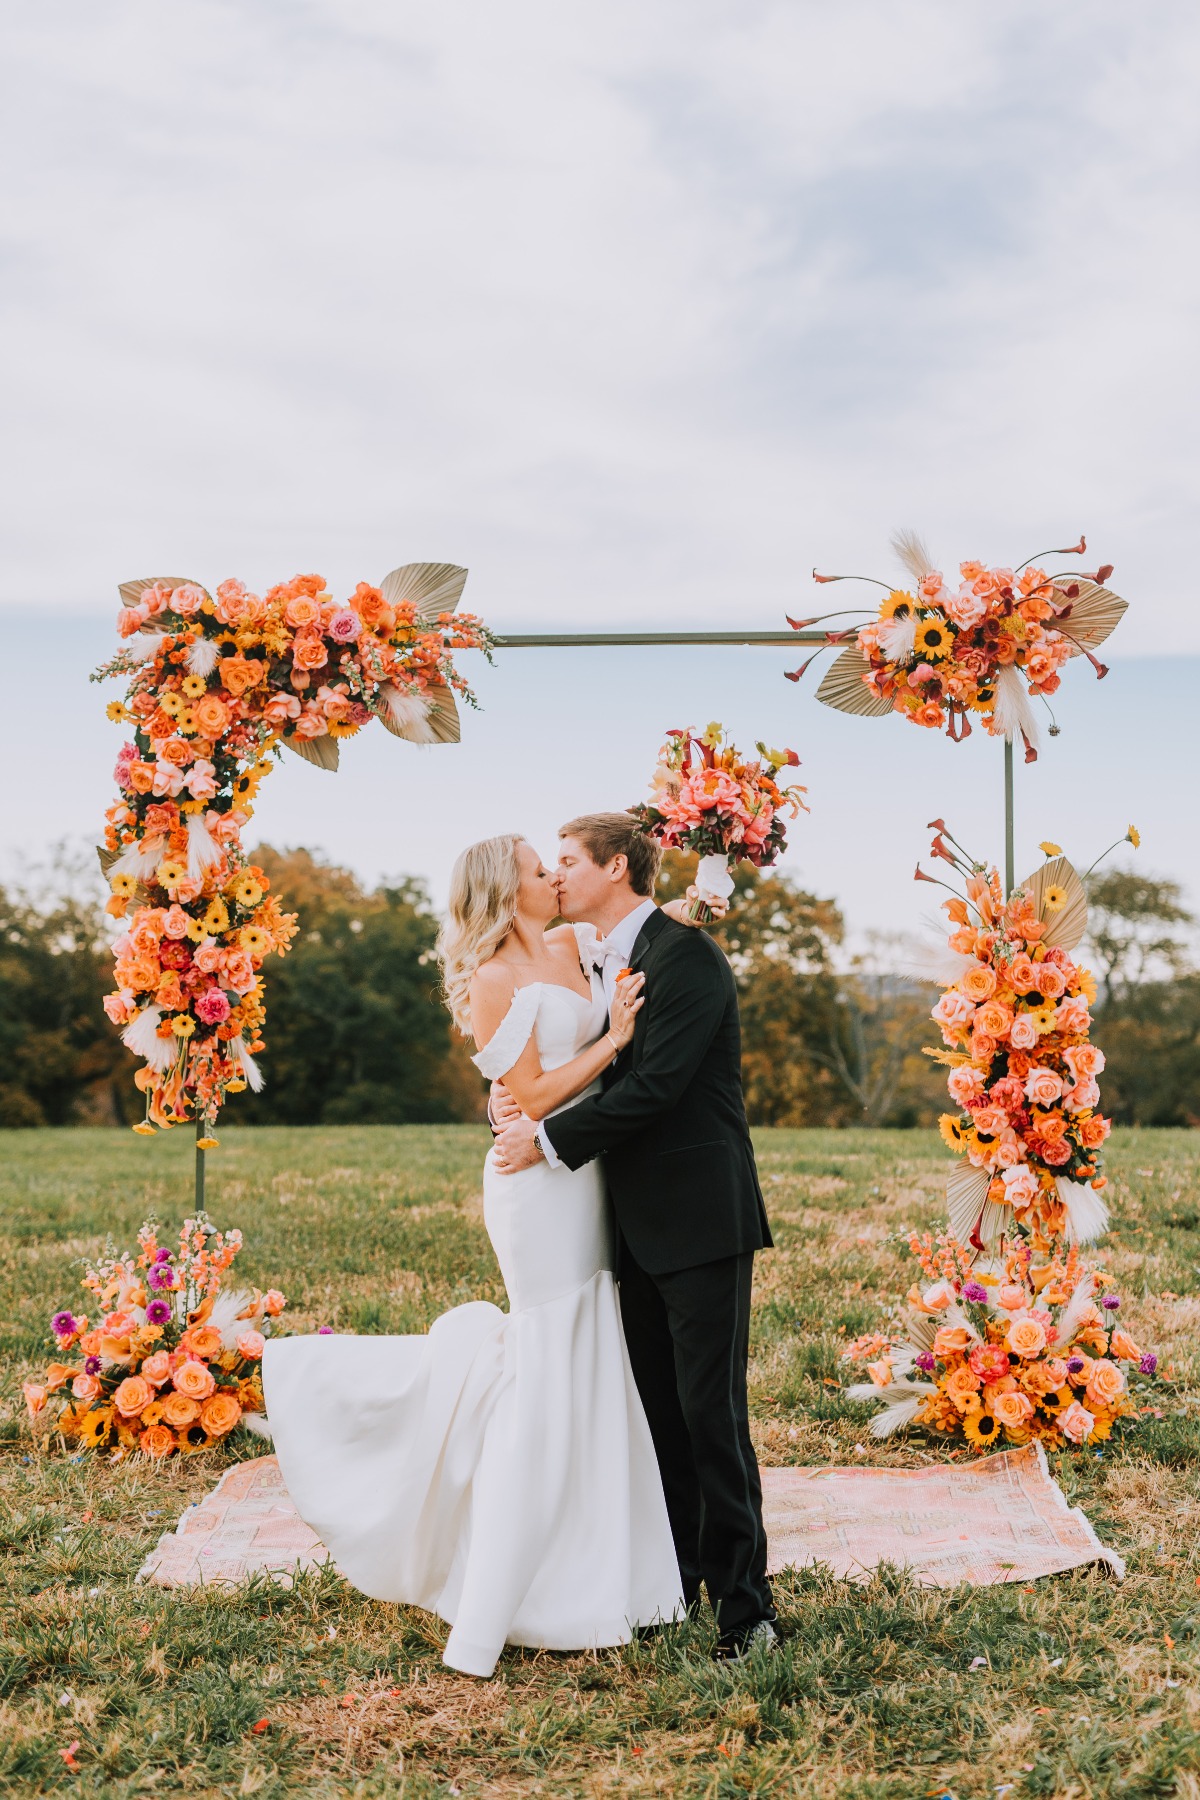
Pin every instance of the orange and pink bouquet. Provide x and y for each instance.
(708, 798)
(172, 1362)
(217, 686)
(1016, 1025)
(1004, 1353)
(942, 651)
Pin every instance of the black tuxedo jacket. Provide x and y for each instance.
(671, 1122)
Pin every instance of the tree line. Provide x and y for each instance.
(356, 1033)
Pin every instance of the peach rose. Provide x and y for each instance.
(964, 1085)
(1044, 1087)
(1020, 1185)
(194, 1380)
(251, 1345)
(1075, 1423)
(176, 922)
(1084, 1061)
(1074, 1015)
(1023, 1034)
(1011, 1297)
(1106, 1384)
(202, 1341)
(132, 1395)
(302, 612)
(239, 973)
(1026, 1337)
(1009, 1151)
(179, 1411)
(35, 1398)
(1012, 1410)
(140, 777)
(983, 1047)
(1022, 973)
(85, 1387)
(239, 673)
(979, 983)
(220, 1414)
(1083, 1096)
(1092, 1132)
(274, 1302)
(1051, 982)
(1045, 1377)
(1124, 1346)
(951, 1340)
(953, 1011)
(156, 1441)
(994, 1018)
(157, 1368)
(935, 1299)
(212, 715)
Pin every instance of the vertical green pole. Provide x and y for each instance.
(1010, 873)
(199, 1165)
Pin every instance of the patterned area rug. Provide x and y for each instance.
(1001, 1518)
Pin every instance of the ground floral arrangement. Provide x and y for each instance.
(1013, 1336)
(709, 798)
(217, 685)
(172, 1363)
(942, 652)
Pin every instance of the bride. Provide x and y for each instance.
(499, 1472)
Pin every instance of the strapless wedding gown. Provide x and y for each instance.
(500, 1471)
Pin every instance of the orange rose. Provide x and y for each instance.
(141, 776)
(1026, 1337)
(241, 672)
(962, 1387)
(220, 1414)
(372, 609)
(1012, 1410)
(202, 1341)
(1124, 1346)
(978, 984)
(156, 1441)
(309, 652)
(176, 751)
(212, 716)
(35, 1398)
(194, 1380)
(951, 1340)
(994, 1019)
(132, 1395)
(179, 1411)
(169, 994)
(1092, 1132)
(1106, 1384)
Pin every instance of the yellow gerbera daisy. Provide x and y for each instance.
(1049, 849)
(216, 918)
(246, 891)
(934, 640)
(1133, 836)
(171, 704)
(124, 885)
(183, 1025)
(194, 686)
(1056, 897)
(116, 711)
(253, 939)
(897, 605)
(170, 873)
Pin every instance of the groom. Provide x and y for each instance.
(671, 1127)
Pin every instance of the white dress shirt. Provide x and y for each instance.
(617, 948)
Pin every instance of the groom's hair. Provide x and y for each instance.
(605, 835)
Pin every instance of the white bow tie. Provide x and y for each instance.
(606, 953)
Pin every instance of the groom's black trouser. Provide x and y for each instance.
(688, 1334)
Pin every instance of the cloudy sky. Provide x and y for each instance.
(639, 312)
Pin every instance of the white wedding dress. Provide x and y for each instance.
(500, 1471)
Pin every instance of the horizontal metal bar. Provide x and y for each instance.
(568, 640)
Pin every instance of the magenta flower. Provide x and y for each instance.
(927, 1361)
(91, 1365)
(160, 1276)
(1074, 1364)
(64, 1324)
(975, 1290)
(1148, 1363)
(1110, 1302)
(158, 1312)
(163, 1254)
(324, 1330)
(212, 1008)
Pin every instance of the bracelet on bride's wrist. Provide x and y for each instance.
(616, 1047)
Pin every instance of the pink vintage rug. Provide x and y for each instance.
(1001, 1518)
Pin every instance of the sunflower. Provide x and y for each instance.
(955, 1135)
(981, 1429)
(898, 605)
(1056, 897)
(95, 1426)
(983, 699)
(934, 640)
(342, 728)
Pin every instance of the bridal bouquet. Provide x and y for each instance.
(708, 798)
(941, 651)
(1004, 1353)
(1016, 1022)
(216, 685)
(172, 1362)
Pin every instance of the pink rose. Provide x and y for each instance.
(1024, 1033)
(1051, 982)
(251, 1345)
(966, 608)
(1075, 1422)
(1074, 1015)
(345, 627)
(187, 599)
(964, 1085)
(1084, 1095)
(119, 1007)
(990, 1121)
(1011, 1297)
(176, 922)
(1044, 1087)
(1020, 1185)
(212, 1007)
(202, 780)
(279, 708)
(953, 1011)
(85, 1387)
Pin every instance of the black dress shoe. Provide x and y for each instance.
(759, 1637)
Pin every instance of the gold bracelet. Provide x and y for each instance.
(612, 1040)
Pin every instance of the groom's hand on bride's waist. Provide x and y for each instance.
(517, 1146)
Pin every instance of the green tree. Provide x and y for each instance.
(1133, 925)
(1148, 1026)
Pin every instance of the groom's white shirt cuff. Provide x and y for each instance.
(621, 938)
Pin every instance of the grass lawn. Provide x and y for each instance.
(1090, 1688)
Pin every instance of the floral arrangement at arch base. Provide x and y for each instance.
(171, 1363)
(941, 653)
(709, 798)
(1007, 1343)
(217, 686)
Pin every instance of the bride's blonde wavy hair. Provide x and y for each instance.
(483, 906)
